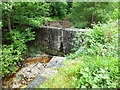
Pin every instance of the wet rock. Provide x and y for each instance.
(29, 75)
(42, 55)
(39, 65)
(48, 71)
(26, 74)
(37, 71)
(21, 75)
(39, 56)
(31, 65)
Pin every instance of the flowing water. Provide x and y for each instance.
(9, 80)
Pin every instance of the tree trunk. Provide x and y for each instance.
(92, 19)
(9, 22)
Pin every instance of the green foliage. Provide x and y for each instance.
(58, 9)
(99, 69)
(27, 13)
(86, 72)
(39, 52)
(101, 40)
(12, 54)
(84, 14)
(32, 54)
(32, 49)
(98, 72)
(10, 57)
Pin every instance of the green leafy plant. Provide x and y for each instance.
(58, 9)
(84, 14)
(39, 52)
(12, 54)
(10, 57)
(101, 40)
(32, 54)
(86, 72)
(98, 72)
(32, 49)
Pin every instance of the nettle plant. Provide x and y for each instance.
(101, 40)
(12, 54)
(98, 72)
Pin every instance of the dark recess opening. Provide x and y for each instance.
(61, 47)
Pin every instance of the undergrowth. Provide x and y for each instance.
(94, 67)
(86, 72)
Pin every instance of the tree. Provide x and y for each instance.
(58, 9)
(84, 14)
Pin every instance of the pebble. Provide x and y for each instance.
(37, 71)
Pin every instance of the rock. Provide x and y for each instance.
(21, 75)
(29, 75)
(38, 80)
(28, 69)
(16, 85)
(49, 72)
(42, 55)
(23, 82)
(31, 65)
(37, 71)
(40, 66)
(56, 61)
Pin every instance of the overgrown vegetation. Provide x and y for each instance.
(86, 72)
(95, 67)
(12, 54)
(84, 14)
(102, 40)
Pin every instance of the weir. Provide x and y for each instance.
(57, 39)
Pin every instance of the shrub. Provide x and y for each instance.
(98, 72)
(58, 9)
(84, 14)
(10, 57)
(96, 66)
(101, 40)
(12, 54)
(86, 72)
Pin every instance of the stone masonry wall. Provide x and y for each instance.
(57, 39)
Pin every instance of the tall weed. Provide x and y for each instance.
(101, 40)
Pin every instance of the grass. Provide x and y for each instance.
(86, 72)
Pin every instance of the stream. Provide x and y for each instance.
(34, 72)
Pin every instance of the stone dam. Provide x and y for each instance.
(57, 39)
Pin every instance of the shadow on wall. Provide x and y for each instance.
(54, 39)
